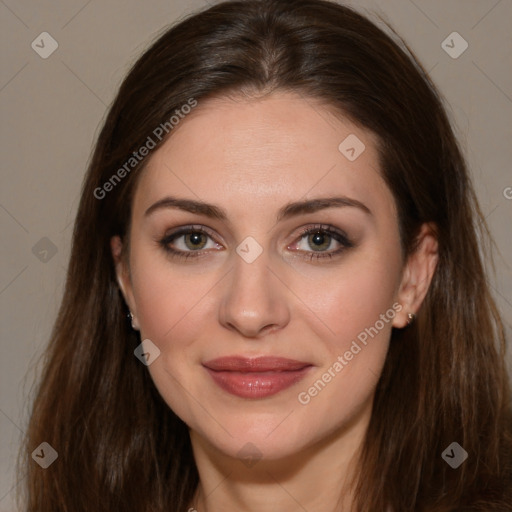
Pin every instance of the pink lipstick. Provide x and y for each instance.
(256, 377)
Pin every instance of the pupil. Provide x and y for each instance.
(319, 240)
(195, 238)
(194, 241)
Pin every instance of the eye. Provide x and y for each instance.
(188, 242)
(192, 242)
(322, 238)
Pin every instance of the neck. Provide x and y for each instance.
(319, 477)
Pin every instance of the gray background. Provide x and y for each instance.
(51, 110)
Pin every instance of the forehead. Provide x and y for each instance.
(259, 153)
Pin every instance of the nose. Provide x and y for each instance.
(255, 299)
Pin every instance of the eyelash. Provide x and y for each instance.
(339, 236)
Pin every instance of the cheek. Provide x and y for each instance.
(163, 309)
(166, 294)
(358, 307)
(351, 299)
(171, 311)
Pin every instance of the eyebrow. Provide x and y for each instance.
(289, 210)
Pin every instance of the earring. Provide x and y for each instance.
(410, 318)
(130, 316)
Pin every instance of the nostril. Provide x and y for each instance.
(269, 328)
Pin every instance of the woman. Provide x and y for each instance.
(275, 298)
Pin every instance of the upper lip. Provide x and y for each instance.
(254, 364)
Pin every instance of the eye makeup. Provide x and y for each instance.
(193, 242)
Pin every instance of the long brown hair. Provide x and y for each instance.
(119, 445)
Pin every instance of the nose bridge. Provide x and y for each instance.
(254, 300)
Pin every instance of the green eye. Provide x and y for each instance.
(194, 240)
(320, 240)
(321, 237)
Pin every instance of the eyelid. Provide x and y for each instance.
(190, 228)
(185, 230)
(335, 233)
(327, 228)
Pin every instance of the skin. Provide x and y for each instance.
(251, 157)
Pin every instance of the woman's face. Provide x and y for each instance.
(255, 275)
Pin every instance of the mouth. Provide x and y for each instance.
(254, 378)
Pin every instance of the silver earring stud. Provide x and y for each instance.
(410, 318)
(130, 315)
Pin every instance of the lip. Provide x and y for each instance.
(258, 377)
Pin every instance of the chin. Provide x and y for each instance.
(263, 436)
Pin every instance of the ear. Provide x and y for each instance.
(123, 277)
(417, 275)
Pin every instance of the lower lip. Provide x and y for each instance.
(257, 384)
